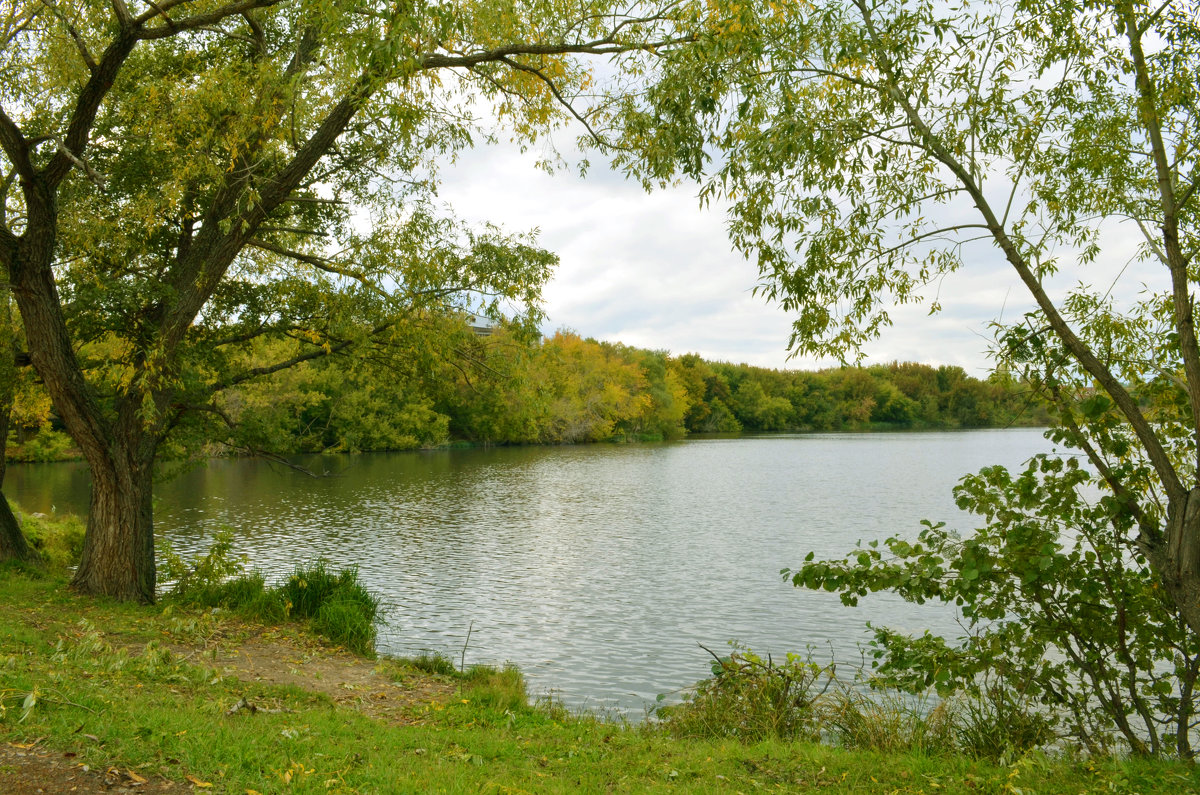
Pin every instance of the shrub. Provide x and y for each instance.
(197, 581)
(1070, 629)
(48, 445)
(751, 699)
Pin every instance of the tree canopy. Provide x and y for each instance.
(184, 177)
(869, 149)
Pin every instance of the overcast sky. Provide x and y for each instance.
(656, 271)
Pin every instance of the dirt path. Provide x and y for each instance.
(262, 656)
(351, 681)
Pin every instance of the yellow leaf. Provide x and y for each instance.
(198, 782)
(135, 777)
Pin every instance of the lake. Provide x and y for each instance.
(598, 569)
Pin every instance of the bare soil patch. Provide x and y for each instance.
(352, 681)
(28, 768)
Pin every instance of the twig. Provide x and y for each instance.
(462, 660)
(243, 704)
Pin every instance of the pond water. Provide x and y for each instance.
(601, 569)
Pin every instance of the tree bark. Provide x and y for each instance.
(13, 545)
(118, 548)
(1177, 558)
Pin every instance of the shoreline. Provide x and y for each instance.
(169, 699)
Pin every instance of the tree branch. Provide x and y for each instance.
(1074, 345)
(259, 372)
(81, 164)
(1176, 263)
(557, 95)
(606, 46)
(80, 45)
(173, 27)
(75, 142)
(16, 148)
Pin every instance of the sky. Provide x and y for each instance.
(654, 270)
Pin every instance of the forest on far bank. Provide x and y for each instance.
(454, 384)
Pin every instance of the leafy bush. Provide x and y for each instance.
(47, 445)
(195, 581)
(1071, 632)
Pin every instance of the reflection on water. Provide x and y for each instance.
(597, 569)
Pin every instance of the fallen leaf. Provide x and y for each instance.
(135, 777)
(198, 782)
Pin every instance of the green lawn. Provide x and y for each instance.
(166, 713)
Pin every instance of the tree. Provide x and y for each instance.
(183, 177)
(587, 388)
(852, 138)
(13, 545)
(866, 150)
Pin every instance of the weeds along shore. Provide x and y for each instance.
(235, 684)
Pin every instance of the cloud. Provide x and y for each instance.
(654, 270)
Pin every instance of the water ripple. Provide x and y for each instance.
(598, 570)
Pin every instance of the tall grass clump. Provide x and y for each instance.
(336, 605)
(339, 606)
(432, 663)
(999, 724)
(751, 699)
(500, 689)
(888, 721)
(58, 540)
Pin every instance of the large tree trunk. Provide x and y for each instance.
(12, 541)
(118, 549)
(13, 545)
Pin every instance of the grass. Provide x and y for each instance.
(160, 714)
(336, 605)
(96, 679)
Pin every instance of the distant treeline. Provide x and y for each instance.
(502, 389)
